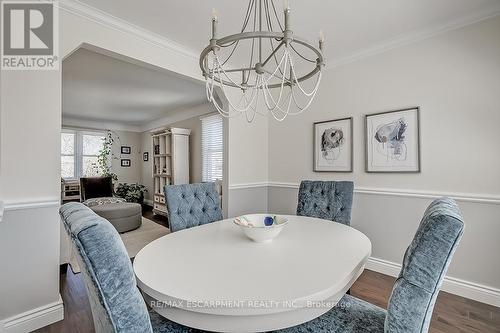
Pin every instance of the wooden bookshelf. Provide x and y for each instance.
(170, 147)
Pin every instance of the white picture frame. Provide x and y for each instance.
(392, 141)
(333, 145)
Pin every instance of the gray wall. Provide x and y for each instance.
(455, 79)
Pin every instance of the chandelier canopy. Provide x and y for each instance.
(270, 76)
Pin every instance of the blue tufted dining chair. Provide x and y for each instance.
(191, 205)
(116, 302)
(414, 294)
(327, 200)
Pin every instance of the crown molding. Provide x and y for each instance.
(71, 122)
(83, 10)
(178, 114)
(96, 15)
(417, 36)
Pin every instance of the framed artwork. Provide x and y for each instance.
(393, 141)
(333, 145)
(125, 150)
(145, 156)
(125, 162)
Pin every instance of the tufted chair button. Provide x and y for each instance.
(328, 208)
(203, 209)
(341, 209)
(315, 206)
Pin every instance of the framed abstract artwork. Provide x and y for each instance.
(333, 145)
(145, 156)
(125, 162)
(393, 141)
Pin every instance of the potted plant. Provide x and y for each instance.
(103, 158)
(131, 192)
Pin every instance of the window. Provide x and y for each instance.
(79, 153)
(68, 155)
(212, 147)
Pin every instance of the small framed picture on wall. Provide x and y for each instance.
(125, 162)
(145, 156)
(333, 145)
(393, 141)
(125, 150)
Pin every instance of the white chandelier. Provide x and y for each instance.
(270, 65)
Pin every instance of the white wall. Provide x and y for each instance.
(30, 106)
(455, 79)
(133, 140)
(29, 184)
(195, 156)
(248, 156)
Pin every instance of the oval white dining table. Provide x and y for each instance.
(213, 278)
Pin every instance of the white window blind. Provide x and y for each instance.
(212, 147)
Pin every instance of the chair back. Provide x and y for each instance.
(327, 200)
(95, 187)
(191, 205)
(116, 302)
(425, 263)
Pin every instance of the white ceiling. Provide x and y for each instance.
(103, 89)
(352, 27)
(100, 88)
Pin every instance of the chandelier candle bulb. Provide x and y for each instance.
(286, 5)
(214, 14)
(287, 18)
(214, 23)
(321, 40)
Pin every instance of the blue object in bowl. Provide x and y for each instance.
(268, 221)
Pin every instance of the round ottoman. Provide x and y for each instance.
(124, 216)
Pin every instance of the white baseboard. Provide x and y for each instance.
(475, 291)
(34, 319)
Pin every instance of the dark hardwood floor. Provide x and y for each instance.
(147, 212)
(451, 313)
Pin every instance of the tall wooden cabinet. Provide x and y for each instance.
(170, 153)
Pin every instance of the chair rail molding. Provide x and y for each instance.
(466, 197)
(248, 185)
(31, 204)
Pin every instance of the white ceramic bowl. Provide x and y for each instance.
(254, 227)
